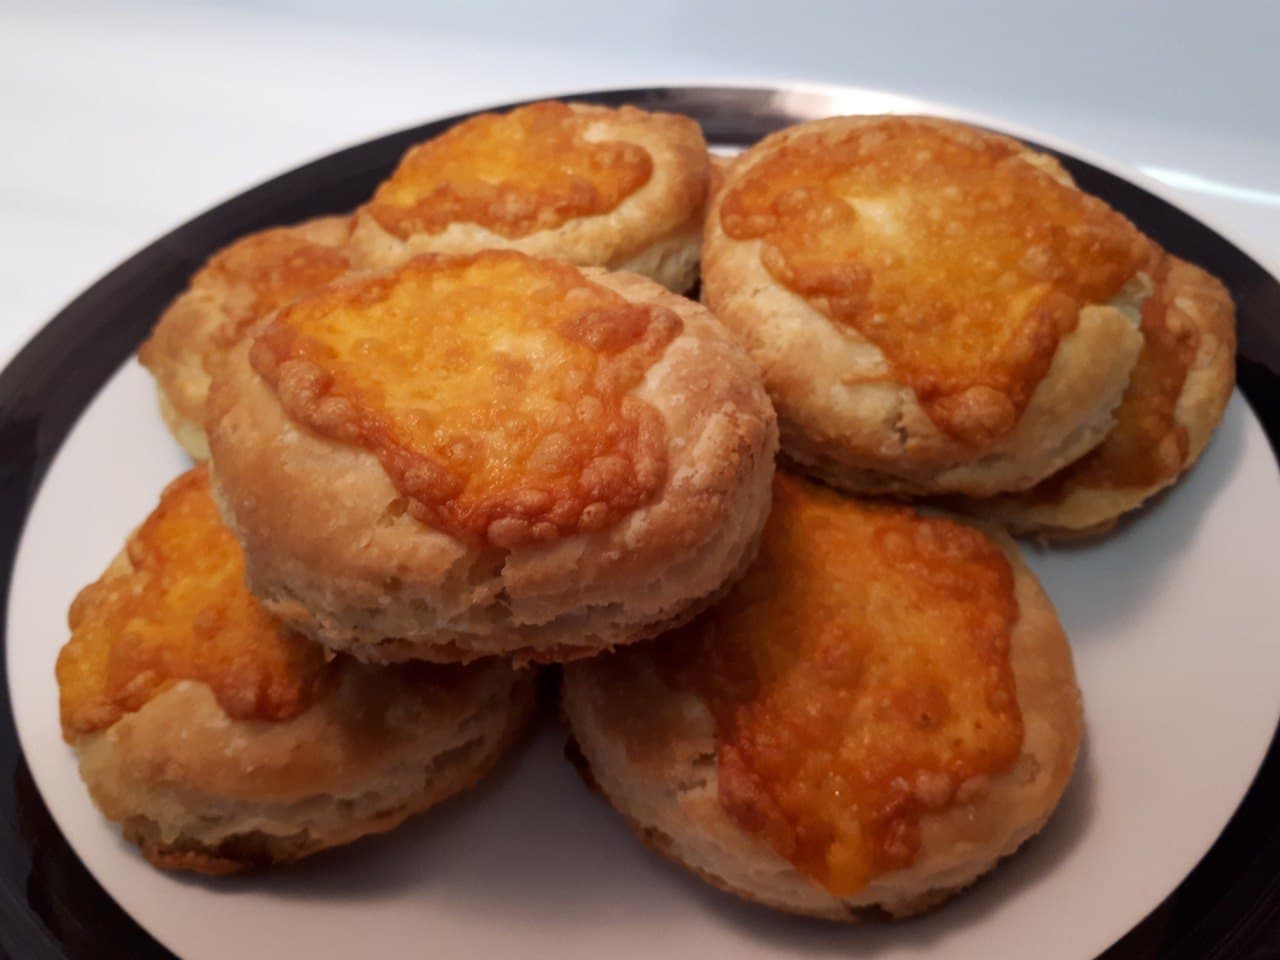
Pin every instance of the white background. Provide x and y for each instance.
(119, 121)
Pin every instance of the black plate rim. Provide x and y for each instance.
(1227, 908)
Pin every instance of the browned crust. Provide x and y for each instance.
(585, 493)
(847, 418)
(656, 742)
(1082, 510)
(566, 653)
(662, 844)
(670, 204)
(256, 851)
(129, 642)
(583, 178)
(974, 383)
(450, 599)
(195, 332)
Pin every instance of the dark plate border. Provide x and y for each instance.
(51, 908)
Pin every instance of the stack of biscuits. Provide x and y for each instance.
(477, 428)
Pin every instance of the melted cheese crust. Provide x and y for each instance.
(1148, 445)
(494, 388)
(264, 271)
(182, 613)
(859, 677)
(516, 173)
(962, 262)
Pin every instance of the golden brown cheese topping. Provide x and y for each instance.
(965, 264)
(516, 173)
(494, 388)
(182, 613)
(859, 678)
(1148, 445)
(264, 271)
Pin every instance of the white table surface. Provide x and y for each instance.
(119, 121)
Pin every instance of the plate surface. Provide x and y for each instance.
(1172, 620)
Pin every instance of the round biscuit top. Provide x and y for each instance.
(515, 173)
(221, 740)
(859, 679)
(175, 607)
(494, 388)
(950, 249)
(266, 270)
(620, 188)
(263, 271)
(235, 289)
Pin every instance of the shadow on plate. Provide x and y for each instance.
(532, 840)
(529, 839)
(1102, 582)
